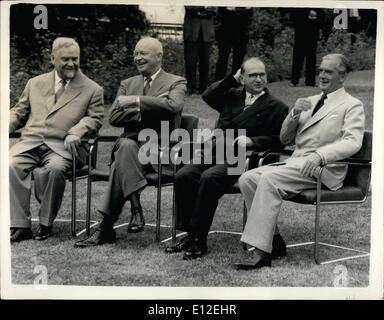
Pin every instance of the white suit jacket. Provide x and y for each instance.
(335, 132)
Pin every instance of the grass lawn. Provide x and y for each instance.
(136, 260)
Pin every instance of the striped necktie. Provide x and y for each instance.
(147, 85)
(60, 91)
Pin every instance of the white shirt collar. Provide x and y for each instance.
(333, 93)
(57, 81)
(153, 76)
(255, 96)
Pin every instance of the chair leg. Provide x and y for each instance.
(174, 209)
(73, 207)
(317, 222)
(158, 207)
(89, 193)
(244, 222)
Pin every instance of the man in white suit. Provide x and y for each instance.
(55, 110)
(324, 128)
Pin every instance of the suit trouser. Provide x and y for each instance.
(264, 190)
(126, 176)
(197, 51)
(238, 52)
(304, 48)
(48, 170)
(198, 188)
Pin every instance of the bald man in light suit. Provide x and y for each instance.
(142, 102)
(55, 110)
(325, 128)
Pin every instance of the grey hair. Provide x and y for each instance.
(254, 59)
(343, 63)
(63, 42)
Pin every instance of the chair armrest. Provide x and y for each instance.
(101, 138)
(263, 155)
(15, 135)
(351, 161)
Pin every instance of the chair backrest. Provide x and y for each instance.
(359, 176)
(189, 122)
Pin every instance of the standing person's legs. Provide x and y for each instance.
(224, 48)
(239, 51)
(204, 56)
(297, 59)
(310, 63)
(190, 57)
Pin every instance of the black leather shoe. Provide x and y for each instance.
(43, 233)
(99, 237)
(137, 222)
(197, 250)
(183, 245)
(20, 234)
(279, 247)
(258, 261)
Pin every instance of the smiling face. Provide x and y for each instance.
(330, 77)
(254, 77)
(147, 56)
(66, 61)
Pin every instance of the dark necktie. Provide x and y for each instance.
(147, 85)
(60, 91)
(319, 104)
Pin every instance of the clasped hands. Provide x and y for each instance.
(123, 102)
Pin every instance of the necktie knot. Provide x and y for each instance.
(147, 85)
(319, 104)
(61, 89)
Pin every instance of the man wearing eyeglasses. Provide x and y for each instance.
(243, 102)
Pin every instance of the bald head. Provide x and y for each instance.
(148, 56)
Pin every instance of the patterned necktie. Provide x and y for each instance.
(249, 101)
(60, 91)
(319, 104)
(147, 85)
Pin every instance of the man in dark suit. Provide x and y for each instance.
(55, 110)
(233, 33)
(199, 186)
(198, 35)
(143, 101)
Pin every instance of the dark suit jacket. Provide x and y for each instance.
(262, 120)
(196, 18)
(164, 101)
(79, 111)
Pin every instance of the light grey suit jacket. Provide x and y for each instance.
(79, 111)
(335, 132)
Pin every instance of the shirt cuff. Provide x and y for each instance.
(294, 116)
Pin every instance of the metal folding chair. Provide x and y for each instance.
(354, 191)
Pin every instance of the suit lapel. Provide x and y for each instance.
(333, 103)
(157, 84)
(47, 88)
(71, 92)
